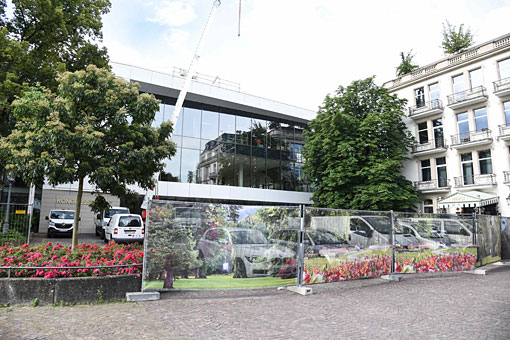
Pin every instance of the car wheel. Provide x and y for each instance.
(239, 269)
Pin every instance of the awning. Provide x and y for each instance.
(468, 199)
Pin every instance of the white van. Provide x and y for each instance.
(125, 228)
(60, 222)
(102, 219)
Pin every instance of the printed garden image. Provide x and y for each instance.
(213, 246)
(218, 246)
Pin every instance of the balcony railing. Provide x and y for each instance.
(459, 97)
(435, 184)
(430, 145)
(506, 177)
(439, 66)
(471, 136)
(504, 130)
(503, 84)
(466, 181)
(433, 105)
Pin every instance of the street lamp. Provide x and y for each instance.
(10, 180)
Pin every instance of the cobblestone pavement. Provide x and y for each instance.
(425, 306)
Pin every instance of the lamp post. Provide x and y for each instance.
(10, 179)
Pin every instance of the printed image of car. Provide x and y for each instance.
(316, 241)
(429, 237)
(375, 231)
(246, 252)
(455, 231)
(124, 228)
(60, 222)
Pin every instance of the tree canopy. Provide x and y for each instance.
(95, 126)
(41, 39)
(456, 40)
(406, 64)
(355, 149)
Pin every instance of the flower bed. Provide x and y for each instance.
(57, 255)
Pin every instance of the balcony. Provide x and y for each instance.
(462, 99)
(504, 132)
(502, 87)
(472, 138)
(478, 181)
(430, 147)
(435, 185)
(434, 107)
(506, 177)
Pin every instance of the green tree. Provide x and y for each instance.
(96, 126)
(406, 64)
(355, 149)
(456, 40)
(41, 39)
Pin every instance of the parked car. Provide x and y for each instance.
(244, 251)
(125, 228)
(101, 220)
(316, 241)
(60, 222)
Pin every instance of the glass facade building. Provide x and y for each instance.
(222, 146)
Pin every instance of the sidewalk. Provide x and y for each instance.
(422, 306)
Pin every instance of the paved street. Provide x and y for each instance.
(427, 306)
(83, 238)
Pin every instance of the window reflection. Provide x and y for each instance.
(191, 123)
(225, 149)
(243, 130)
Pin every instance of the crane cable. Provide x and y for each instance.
(239, 24)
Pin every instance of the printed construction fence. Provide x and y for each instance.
(225, 246)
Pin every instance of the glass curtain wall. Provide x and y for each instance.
(217, 146)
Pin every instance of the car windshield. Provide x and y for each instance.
(326, 237)
(129, 221)
(62, 215)
(112, 212)
(248, 237)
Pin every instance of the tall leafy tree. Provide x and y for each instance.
(406, 64)
(42, 38)
(355, 149)
(95, 126)
(456, 40)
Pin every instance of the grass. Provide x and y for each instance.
(224, 282)
(488, 259)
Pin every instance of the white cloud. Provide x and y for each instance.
(173, 13)
(176, 38)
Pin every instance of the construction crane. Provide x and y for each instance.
(187, 82)
(192, 65)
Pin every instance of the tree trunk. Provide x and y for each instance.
(169, 279)
(77, 209)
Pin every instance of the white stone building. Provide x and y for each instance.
(459, 113)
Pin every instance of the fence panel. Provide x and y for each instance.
(434, 243)
(346, 245)
(18, 223)
(489, 239)
(219, 246)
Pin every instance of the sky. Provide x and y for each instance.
(293, 51)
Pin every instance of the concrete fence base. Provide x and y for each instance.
(22, 291)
